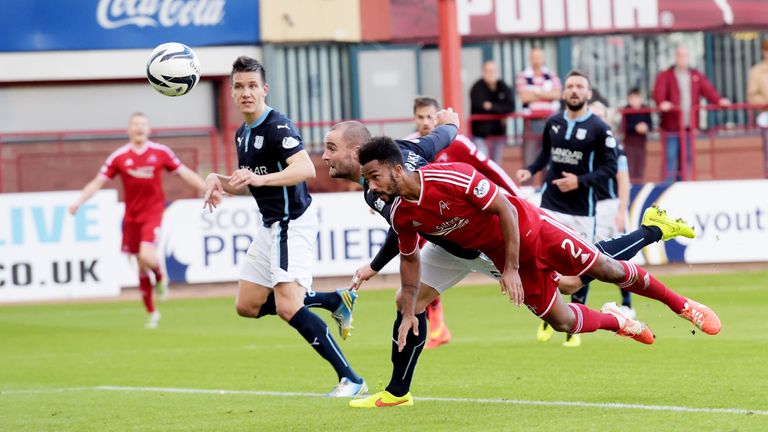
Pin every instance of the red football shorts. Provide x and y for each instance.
(556, 250)
(136, 233)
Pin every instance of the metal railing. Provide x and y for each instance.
(60, 143)
(717, 127)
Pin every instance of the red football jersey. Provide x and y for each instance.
(464, 151)
(452, 203)
(141, 174)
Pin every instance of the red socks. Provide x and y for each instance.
(435, 310)
(588, 320)
(145, 286)
(158, 274)
(642, 283)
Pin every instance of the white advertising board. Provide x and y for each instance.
(46, 253)
(209, 247)
(730, 219)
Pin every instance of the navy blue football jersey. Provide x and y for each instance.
(584, 147)
(263, 147)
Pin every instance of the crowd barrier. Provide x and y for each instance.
(716, 136)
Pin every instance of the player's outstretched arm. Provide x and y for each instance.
(441, 136)
(299, 169)
(88, 191)
(192, 178)
(409, 279)
(510, 278)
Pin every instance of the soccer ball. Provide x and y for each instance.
(173, 69)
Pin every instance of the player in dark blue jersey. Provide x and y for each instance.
(579, 151)
(277, 272)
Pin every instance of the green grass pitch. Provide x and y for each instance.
(55, 360)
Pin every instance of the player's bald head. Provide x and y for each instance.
(353, 133)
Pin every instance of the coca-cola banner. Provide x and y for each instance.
(43, 25)
(417, 19)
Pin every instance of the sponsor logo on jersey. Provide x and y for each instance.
(482, 188)
(556, 129)
(258, 141)
(145, 172)
(283, 126)
(290, 142)
(581, 133)
(412, 161)
(239, 141)
(258, 170)
(152, 159)
(566, 156)
(443, 206)
(129, 162)
(416, 223)
(450, 226)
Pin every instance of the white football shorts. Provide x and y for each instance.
(283, 252)
(442, 270)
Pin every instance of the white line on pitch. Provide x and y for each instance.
(577, 404)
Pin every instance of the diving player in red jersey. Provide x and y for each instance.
(458, 203)
(140, 164)
(461, 150)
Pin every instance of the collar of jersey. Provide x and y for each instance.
(579, 119)
(260, 120)
(572, 123)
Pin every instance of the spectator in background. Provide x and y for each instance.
(757, 93)
(490, 95)
(636, 128)
(678, 89)
(540, 91)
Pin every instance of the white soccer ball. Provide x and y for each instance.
(173, 69)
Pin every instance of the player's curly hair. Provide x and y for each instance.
(248, 64)
(381, 149)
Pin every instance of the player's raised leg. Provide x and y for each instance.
(576, 318)
(340, 303)
(637, 280)
(630, 244)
